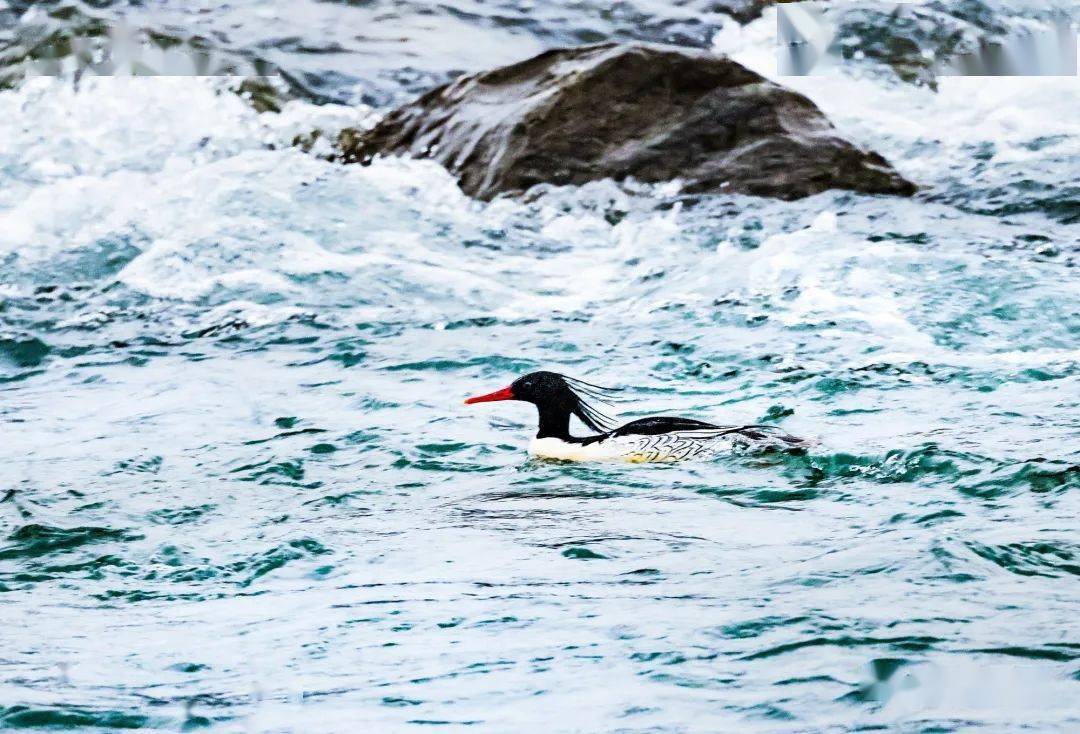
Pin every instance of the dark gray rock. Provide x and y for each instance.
(743, 11)
(264, 93)
(652, 113)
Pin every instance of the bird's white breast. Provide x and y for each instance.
(556, 448)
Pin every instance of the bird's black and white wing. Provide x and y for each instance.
(673, 439)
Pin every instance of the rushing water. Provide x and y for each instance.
(240, 489)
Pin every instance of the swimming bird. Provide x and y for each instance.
(659, 438)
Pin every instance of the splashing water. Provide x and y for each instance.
(240, 490)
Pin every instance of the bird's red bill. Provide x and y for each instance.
(504, 394)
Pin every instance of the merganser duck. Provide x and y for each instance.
(660, 438)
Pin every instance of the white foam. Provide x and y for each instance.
(891, 118)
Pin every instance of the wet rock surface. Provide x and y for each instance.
(647, 112)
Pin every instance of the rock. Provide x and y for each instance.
(264, 93)
(652, 113)
(743, 11)
(911, 41)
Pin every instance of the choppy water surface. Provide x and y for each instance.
(241, 491)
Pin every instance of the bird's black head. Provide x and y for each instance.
(542, 387)
(556, 397)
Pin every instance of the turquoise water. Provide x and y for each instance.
(240, 490)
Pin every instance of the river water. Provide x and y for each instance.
(241, 492)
